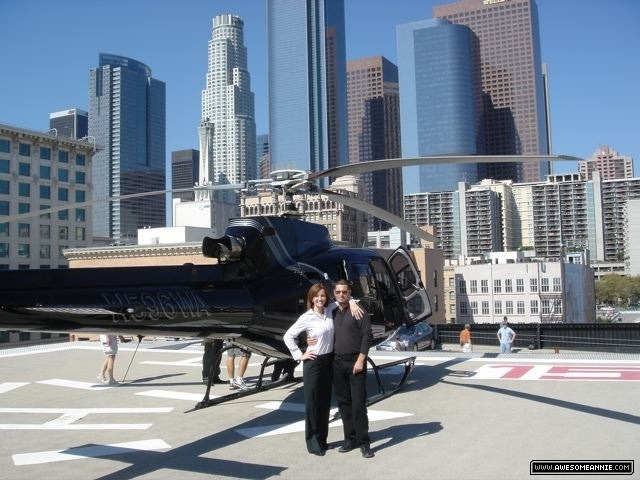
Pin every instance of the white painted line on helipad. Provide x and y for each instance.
(8, 386)
(60, 382)
(93, 451)
(68, 416)
(87, 411)
(189, 362)
(193, 397)
(298, 426)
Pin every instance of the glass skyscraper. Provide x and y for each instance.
(127, 120)
(307, 84)
(438, 107)
(514, 119)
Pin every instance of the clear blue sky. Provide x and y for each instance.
(48, 47)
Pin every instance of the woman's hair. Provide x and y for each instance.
(313, 291)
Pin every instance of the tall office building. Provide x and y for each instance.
(514, 119)
(609, 163)
(307, 84)
(438, 101)
(373, 108)
(72, 123)
(227, 130)
(127, 120)
(184, 172)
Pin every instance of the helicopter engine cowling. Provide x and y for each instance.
(225, 248)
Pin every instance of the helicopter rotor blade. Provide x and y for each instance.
(379, 213)
(386, 164)
(67, 206)
(376, 165)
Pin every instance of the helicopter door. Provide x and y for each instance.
(411, 287)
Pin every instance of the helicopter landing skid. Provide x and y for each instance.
(409, 363)
(250, 390)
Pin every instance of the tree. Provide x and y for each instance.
(616, 290)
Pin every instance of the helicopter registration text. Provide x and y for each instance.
(155, 306)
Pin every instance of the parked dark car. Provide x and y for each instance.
(419, 336)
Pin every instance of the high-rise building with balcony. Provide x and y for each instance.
(562, 215)
(307, 84)
(512, 97)
(227, 129)
(562, 210)
(614, 196)
(482, 217)
(467, 221)
(442, 211)
(373, 108)
(609, 163)
(127, 121)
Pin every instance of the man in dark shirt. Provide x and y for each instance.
(351, 345)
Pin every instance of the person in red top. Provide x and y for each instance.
(465, 338)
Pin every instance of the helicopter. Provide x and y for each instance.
(250, 295)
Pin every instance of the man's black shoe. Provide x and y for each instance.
(217, 380)
(367, 452)
(320, 453)
(347, 447)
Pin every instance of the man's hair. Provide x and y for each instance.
(342, 281)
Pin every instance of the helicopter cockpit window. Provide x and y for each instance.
(416, 306)
(407, 280)
(416, 299)
(362, 285)
(405, 274)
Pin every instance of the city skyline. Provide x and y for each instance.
(584, 43)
